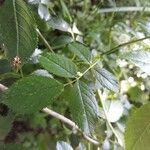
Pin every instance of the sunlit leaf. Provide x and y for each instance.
(106, 79)
(137, 134)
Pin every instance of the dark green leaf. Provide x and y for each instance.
(61, 41)
(139, 58)
(31, 94)
(83, 105)
(58, 65)
(137, 134)
(4, 66)
(81, 51)
(17, 26)
(11, 147)
(5, 125)
(106, 79)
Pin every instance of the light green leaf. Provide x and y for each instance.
(31, 94)
(140, 59)
(106, 79)
(137, 134)
(83, 106)
(17, 27)
(59, 24)
(58, 65)
(81, 51)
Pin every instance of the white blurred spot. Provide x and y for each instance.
(130, 79)
(144, 75)
(142, 87)
(124, 86)
(43, 12)
(35, 55)
(106, 145)
(114, 110)
(122, 63)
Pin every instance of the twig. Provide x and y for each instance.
(44, 40)
(62, 118)
(82, 74)
(124, 9)
(123, 44)
(102, 99)
(70, 123)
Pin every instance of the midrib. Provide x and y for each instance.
(17, 30)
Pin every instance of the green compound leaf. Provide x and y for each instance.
(106, 79)
(140, 59)
(137, 134)
(17, 27)
(81, 51)
(31, 94)
(58, 65)
(83, 105)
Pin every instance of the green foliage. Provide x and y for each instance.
(105, 79)
(65, 11)
(11, 147)
(58, 65)
(23, 97)
(137, 135)
(18, 29)
(81, 51)
(84, 108)
(61, 41)
(91, 65)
